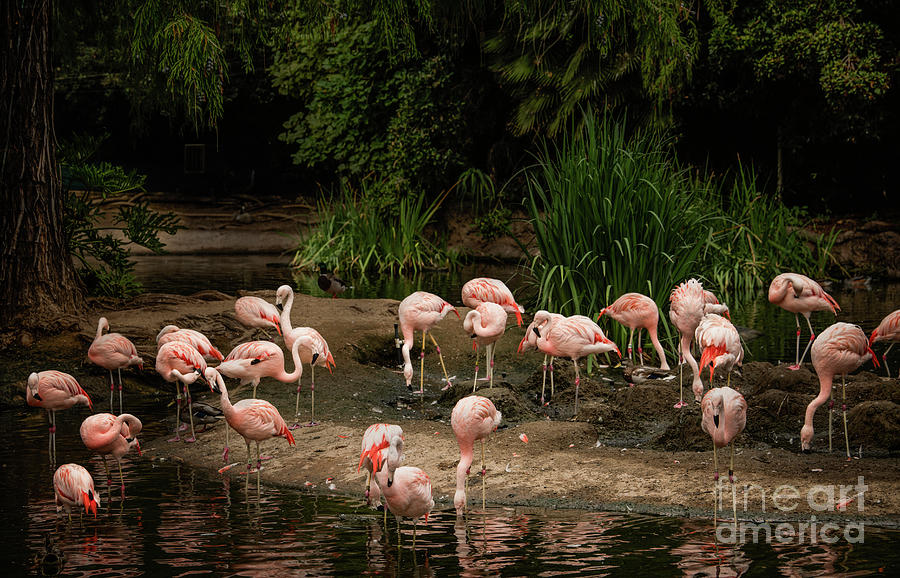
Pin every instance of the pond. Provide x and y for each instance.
(179, 521)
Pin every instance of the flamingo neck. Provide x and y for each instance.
(99, 330)
(298, 365)
(286, 326)
(466, 453)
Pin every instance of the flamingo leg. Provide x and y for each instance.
(812, 335)
(884, 358)
(640, 347)
(630, 339)
(108, 478)
(681, 402)
(51, 415)
(187, 394)
(490, 352)
(177, 413)
(121, 409)
(312, 397)
(483, 475)
(112, 389)
(830, 418)
(414, 537)
(121, 479)
(475, 382)
(844, 411)
(422, 369)
(441, 357)
(733, 489)
(226, 450)
(249, 456)
(385, 508)
(297, 404)
(255, 385)
(715, 487)
(552, 390)
(258, 468)
(577, 384)
(544, 380)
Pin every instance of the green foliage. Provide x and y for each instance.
(363, 114)
(106, 268)
(353, 235)
(560, 58)
(491, 216)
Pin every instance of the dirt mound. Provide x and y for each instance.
(875, 424)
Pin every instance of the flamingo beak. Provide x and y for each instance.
(36, 396)
(716, 420)
(315, 357)
(536, 332)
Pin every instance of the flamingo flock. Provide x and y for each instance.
(184, 355)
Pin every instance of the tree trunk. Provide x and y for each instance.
(38, 282)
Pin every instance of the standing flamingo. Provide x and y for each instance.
(254, 312)
(720, 344)
(840, 349)
(313, 348)
(113, 351)
(373, 455)
(474, 418)
(573, 337)
(487, 290)
(887, 330)
(530, 341)
(178, 361)
(686, 309)
(636, 311)
(724, 418)
(200, 342)
(487, 324)
(254, 419)
(799, 294)
(53, 391)
(421, 311)
(406, 490)
(106, 434)
(74, 487)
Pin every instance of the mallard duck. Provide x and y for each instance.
(330, 283)
(203, 413)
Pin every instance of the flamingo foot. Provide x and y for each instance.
(190, 440)
(253, 471)
(793, 367)
(680, 404)
(182, 427)
(311, 424)
(225, 454)
(174, 439)
(293, 427)
(264, 458)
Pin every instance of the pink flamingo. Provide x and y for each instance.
(421, 311)
(474, 418)
(840, 349)
(53, 391)
(573, 337)
(887, 330)
(178, 361)
(254, 419)
(799, 294)
(636, 311)
(406, 490)
(113, 351)
(487, 290)
(313, 348)
(487, 324)
(724, 418)
(254, 312)
(74, 487)
(106, 434)
(373, 455)
(200, 342)
(720, 344)
(688, 303)
(530, 341)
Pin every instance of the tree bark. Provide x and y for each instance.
(38, 282)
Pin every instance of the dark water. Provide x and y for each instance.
(177, 521)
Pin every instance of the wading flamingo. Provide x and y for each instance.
(106, 434)
(372, 456)
(73, 488)
(840, 349)
(486, 324)
(254, 419)
(313, 348)
(799, 294)
(487, 290)
(331, 283)
(724, 418)
(887, 330)
(178, 361)
(53, 391)
(530, 341)
(421, 311)
(636, 311)
(572, 337)
(720, 345)
(688, 303)
(254, 312)
(406, 490)
(113, 351)
(200, 342)
(474, 418)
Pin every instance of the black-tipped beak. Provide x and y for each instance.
(474, 336)
(315, 357)
(536, 332)
(716, 420)
(129, 440)
(37, 397)
(390, 482)
(279, 306)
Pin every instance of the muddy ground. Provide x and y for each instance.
(628, 450)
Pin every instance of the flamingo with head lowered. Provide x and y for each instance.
(800, 294)
(53, 391)
(421, 311)
(106, 434)
(487, 290)
(487, 324)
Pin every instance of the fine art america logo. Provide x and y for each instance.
(786, 498)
